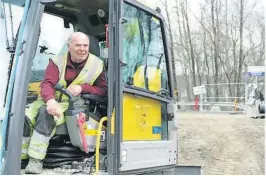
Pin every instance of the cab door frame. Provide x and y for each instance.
(116, 89)
(24, 54)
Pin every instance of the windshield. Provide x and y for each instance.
(6, 33)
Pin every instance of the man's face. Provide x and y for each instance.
(79, 48)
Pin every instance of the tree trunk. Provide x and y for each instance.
(206, 61)
(241, 58)
(227, 63)
(215, 51)
(171, 46)
(190, 43)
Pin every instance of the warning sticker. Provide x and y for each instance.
(89, 132)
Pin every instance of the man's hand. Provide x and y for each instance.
(75, 90)
(53, 108)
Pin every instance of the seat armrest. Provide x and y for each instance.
(95, 98)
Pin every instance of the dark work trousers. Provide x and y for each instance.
(44, 124)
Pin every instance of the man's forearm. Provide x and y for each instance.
(96, 90)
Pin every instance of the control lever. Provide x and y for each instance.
(61, 88)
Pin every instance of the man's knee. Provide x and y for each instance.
(45, 122)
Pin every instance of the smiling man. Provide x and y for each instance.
(79, 72)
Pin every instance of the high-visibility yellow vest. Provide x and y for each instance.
(89, 73)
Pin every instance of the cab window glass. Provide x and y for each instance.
(52, 40)
(143, 51)
(6, 41)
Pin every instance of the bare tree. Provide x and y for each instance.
(165, 4)
(183, 50)
(184, 11)
(241, 56)
(223, 45)
(215, 28)
(262, 41)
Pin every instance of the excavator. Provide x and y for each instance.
(131, 130)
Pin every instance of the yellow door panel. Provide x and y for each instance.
(141, 118)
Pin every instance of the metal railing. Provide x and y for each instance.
(222, 97)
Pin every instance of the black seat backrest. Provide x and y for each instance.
(94, 47)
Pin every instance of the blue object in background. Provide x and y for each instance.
(256, 73)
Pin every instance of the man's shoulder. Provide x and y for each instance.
(96, 57)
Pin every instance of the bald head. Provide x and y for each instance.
(75, 35)
(78, 46)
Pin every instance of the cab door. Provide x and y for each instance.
(12, 125)
(145, 132)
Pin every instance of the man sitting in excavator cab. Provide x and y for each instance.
(79, 72)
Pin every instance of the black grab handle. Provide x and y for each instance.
(61, 88)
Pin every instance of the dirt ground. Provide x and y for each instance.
(222, 144)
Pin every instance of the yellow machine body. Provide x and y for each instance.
(141, 118)
(34, 88)
(154, 78)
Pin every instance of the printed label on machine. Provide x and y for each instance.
(92, 132)
(102, 136)
(89, 131)
(156, 130)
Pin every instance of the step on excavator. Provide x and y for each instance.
(131, 130)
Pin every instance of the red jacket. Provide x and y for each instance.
(52, 77)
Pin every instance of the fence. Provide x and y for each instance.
(222, 97)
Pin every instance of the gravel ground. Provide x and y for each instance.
(222, 144)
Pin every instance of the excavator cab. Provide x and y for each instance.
(137, 118)
(66, 146)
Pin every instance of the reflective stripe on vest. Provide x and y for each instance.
(89, 73)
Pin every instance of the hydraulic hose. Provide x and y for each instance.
(11, 83)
